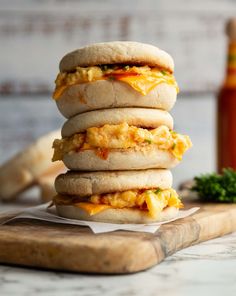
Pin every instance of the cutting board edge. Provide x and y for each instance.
(154, 244)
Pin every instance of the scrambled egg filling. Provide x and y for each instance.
(153, 201)
(143, 79)
(122, 136)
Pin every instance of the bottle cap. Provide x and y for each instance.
(231, 28)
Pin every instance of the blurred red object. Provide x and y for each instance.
(226, 106)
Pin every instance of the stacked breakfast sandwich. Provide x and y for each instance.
(118, 141)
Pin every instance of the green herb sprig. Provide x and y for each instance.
(217, 188)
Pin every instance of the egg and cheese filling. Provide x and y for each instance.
(153, 201)
(122, 136)
(141, 78)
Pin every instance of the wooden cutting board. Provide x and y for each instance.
(74, 248)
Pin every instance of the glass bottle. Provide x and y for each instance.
(226, 107)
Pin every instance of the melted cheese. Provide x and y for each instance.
(90, 208)
(122, 136)
(153, 201)
(145, 82)
(143, 79)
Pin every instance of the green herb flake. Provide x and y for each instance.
(158, 190)
(104, 67)
(173, 146)
(148, 141)
(126, 67)
(216, 188)
(163, 72)
(107, 67)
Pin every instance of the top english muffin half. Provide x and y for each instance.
(115, 74)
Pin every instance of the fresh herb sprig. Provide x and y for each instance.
(216, 188)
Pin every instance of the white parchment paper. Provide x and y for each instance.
(44, 213)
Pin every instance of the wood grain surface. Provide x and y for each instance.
(74, 248)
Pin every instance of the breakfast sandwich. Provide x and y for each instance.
(142, 196)
(115, 74)
(120, 139)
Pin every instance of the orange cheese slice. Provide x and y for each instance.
(92, 209)
(145, 83)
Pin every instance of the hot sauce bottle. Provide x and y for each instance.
(226, 106)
